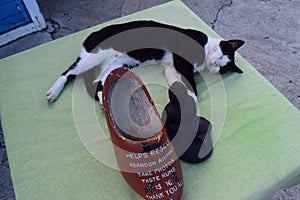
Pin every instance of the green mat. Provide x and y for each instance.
(62, 150)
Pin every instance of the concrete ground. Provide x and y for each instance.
(269, 27)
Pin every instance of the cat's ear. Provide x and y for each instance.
(230, 46)
(235, 44)
(235, 68)
(230, 68)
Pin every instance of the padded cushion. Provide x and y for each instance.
(62, 150)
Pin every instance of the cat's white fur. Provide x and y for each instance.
(109, 59)
(214, 58)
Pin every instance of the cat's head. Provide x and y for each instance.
(220, 57)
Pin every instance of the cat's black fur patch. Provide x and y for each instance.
(145, 54)
(98, 37)
(181, 65)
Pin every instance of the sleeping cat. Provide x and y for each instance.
(219, 58)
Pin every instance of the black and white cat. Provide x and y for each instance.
(219, 58)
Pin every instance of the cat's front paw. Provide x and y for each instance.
(52, 95)
(56, 89)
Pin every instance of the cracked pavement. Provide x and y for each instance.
(224, 5)
(269, 27)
